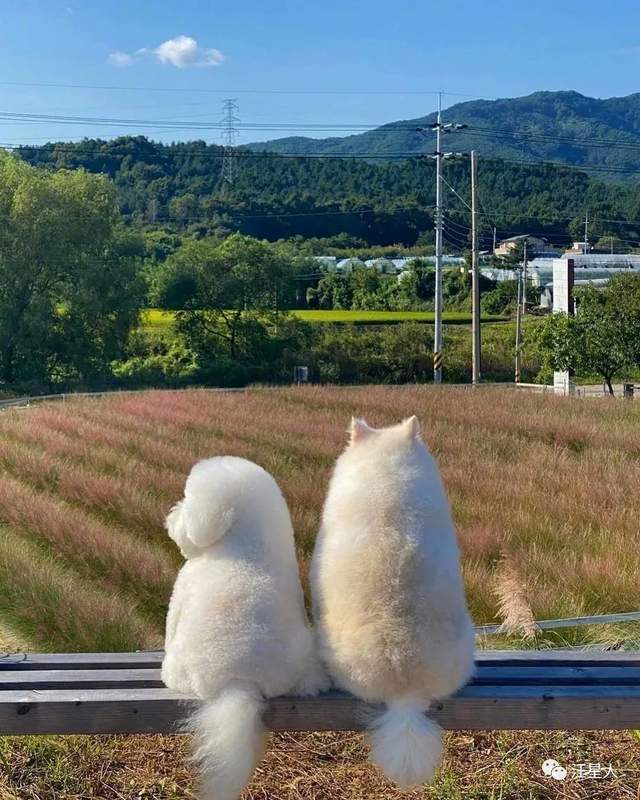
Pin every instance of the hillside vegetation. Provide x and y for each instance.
(379, 203)
(561, 126)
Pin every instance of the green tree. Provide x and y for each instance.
(501, 298)
(241, 288)
(603, 336)
(419, 282)
(69, 277)
(334, 291)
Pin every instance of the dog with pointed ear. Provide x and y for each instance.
(389, 605)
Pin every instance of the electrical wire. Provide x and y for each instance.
(192, 90)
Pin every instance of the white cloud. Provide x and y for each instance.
(184, 51)
(120, 59)
(181, 52)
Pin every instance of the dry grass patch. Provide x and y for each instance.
(319, 766)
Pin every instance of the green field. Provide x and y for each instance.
(390, 317)
(156, 319)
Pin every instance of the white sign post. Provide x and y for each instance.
(563, 281)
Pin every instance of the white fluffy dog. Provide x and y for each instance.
(236, 627)
(389, 604)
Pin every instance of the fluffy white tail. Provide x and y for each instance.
(229, 739)
(405, 744)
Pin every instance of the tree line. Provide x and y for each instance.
(376, 202)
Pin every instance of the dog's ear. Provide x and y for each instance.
(412, 427)
(208, 520)
(359, 430)
(176, 528)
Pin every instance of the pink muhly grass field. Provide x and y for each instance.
(545, 485)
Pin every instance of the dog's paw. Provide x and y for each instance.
(314, 680)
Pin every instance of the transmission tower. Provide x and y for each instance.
(230, 121)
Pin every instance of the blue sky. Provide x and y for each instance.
(333, 47)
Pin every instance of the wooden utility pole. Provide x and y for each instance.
(585, 247)
(475, 277)
(524, 279)
(518, 326)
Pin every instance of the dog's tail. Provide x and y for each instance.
(229, 739)
(405, 744)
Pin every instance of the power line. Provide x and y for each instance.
(550, 137)
(377, 128)
(241, 153)
(462, 228)
(380, 129)
(244, 154)
(193, 90)
(273, 215)
(446, 183)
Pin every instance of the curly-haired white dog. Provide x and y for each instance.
(389, 605)
(236, 628)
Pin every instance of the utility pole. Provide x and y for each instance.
(494, 241)
(437, 334)
(586, 232)
(524, 278)
(439, 127)
(230, 120)
(518, 327)
(475, 277)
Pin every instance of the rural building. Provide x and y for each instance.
(536, 245)
(596, 268)
(577, 248)
(346, 265)
(386, 266)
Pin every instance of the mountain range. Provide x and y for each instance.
(602, 135)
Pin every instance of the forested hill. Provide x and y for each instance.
(381, 202)
(559, 126)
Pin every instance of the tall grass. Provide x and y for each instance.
(52, 607)
(549, 482)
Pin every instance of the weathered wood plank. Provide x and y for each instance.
(147, 659)
(153, 659)
(474, 708)
(556, 675)
(487, 674)
(79, 679)
(569, 657)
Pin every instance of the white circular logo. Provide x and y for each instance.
(559, 773)
(549, 765)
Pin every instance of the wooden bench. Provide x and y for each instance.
(95, 693)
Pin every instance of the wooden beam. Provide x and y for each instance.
(152, 659)
(518, 707)
(487, 674)
(79, 679)
(138, 660)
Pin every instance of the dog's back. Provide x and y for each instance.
(237, 611)
(389, 603)
(236, 627)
